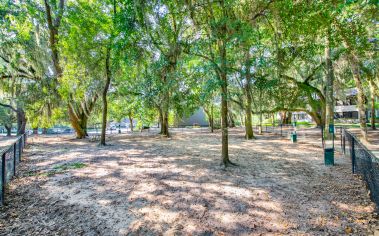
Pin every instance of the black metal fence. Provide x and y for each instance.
(10, 158)
(363, 162)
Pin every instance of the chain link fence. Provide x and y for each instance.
(363, 162)
(10, 158)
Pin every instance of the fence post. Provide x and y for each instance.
(353, 154)
(2, 177)
(322, 137)
(344, 142)
(281, 130)
(19, 148)
(14, 158)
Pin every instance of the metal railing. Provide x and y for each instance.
(363, 162)
(10, 158)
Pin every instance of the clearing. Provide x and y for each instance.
(146, 185)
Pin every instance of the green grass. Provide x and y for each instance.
(58, 169)
(67, 166)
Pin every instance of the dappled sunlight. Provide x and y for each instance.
(147, 185)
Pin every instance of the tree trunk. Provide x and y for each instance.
(329, 98)
(21, 121)
(249, 120)
(249, 134)
(9, 130)
(260, 128)
(224, 105)
(35, 130)
(165, 125)
(104, 97)
(44, 130)
(161, 120)
(316, 117)
(53, 26)
(210, 117)
(76, 123)
(211, 120)
(131, 123)
(165, 110)
(372, 88)
(232, 123)
(361, 96)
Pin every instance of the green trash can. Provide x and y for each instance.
(329, 156)
(294, 137)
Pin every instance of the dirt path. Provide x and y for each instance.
(146, 185)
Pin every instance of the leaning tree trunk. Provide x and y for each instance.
(361, 96)
(104, 97)
(9, 130)
(329, 98)
(76, 121)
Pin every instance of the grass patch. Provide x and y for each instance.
(68, 166)
(58, 169)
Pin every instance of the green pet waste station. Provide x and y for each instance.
(293, 134)
(329, 152)
(294, 137)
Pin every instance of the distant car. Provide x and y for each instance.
(67, 131)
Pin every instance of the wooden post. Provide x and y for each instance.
(3, 177)
(14, 158)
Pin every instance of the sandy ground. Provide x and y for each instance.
(147, 185)
(372, 142)
(6, 141)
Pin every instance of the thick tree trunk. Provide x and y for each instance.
(361, 96)
(9, 130)
(78, 116)
(372, 88)
(316, 117)
(165, 125)
(21, 121)
(77, 123)
(104, 97)
(329, 98)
